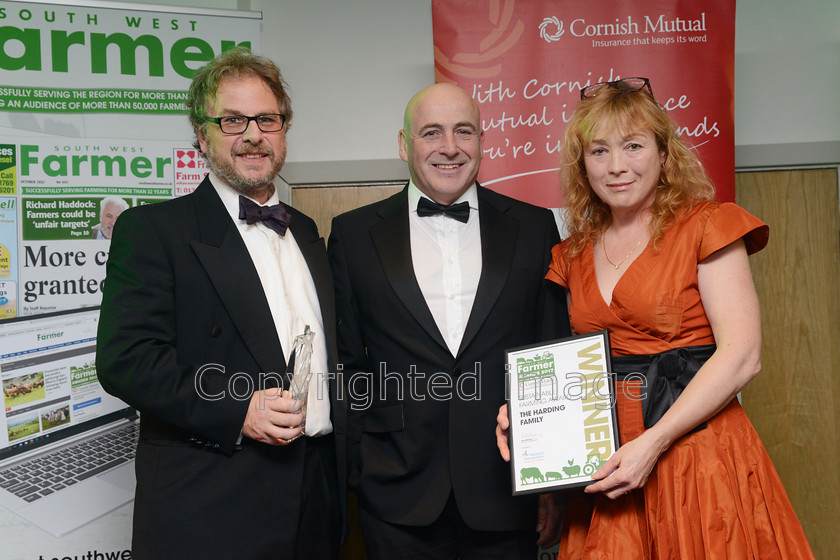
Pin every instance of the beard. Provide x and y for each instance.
(226, 171)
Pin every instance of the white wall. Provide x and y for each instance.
(353, 64)
(787, 71)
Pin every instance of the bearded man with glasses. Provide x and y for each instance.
(205, 298)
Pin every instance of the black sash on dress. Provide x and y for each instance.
(666, 374)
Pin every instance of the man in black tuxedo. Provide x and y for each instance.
(204, 298)
(432, 285)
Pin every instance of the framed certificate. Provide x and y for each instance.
(561, 405)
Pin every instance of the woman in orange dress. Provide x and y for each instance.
(652, 258)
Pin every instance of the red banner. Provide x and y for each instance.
(525, 62)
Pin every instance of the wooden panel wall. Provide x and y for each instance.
(322, 204)
(794, 402)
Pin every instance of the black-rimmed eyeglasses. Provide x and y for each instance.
(625, 85)
(237, 124)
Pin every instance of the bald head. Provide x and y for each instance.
(438, 94)
(442, 141)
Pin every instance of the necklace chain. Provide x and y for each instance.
(604, 245)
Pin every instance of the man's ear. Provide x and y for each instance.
(202, 141)
(403, 142)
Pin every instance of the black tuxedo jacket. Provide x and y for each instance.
(408, 450)
(186, 336)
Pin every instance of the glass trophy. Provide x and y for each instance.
(302, 353)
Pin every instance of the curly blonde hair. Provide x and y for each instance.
(682, 181)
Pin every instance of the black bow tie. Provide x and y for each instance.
(460, 211)
(274, 217)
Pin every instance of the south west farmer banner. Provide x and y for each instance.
(525, 62)
(106, 59)
(92, 121)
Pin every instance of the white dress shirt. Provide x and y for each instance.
(292, 299)
(447, 264)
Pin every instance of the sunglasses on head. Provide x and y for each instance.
(625, 85)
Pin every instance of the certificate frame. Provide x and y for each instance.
(561, 431)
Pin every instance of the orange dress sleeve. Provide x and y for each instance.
(557, 267)
(728, 222)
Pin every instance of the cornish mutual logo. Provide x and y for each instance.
(551, 29)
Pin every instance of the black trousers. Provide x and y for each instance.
(319, 529)
(448, 538)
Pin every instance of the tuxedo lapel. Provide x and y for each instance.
(222, 252)
(392, 240)
(498, 240)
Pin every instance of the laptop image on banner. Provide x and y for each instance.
(66, 446)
